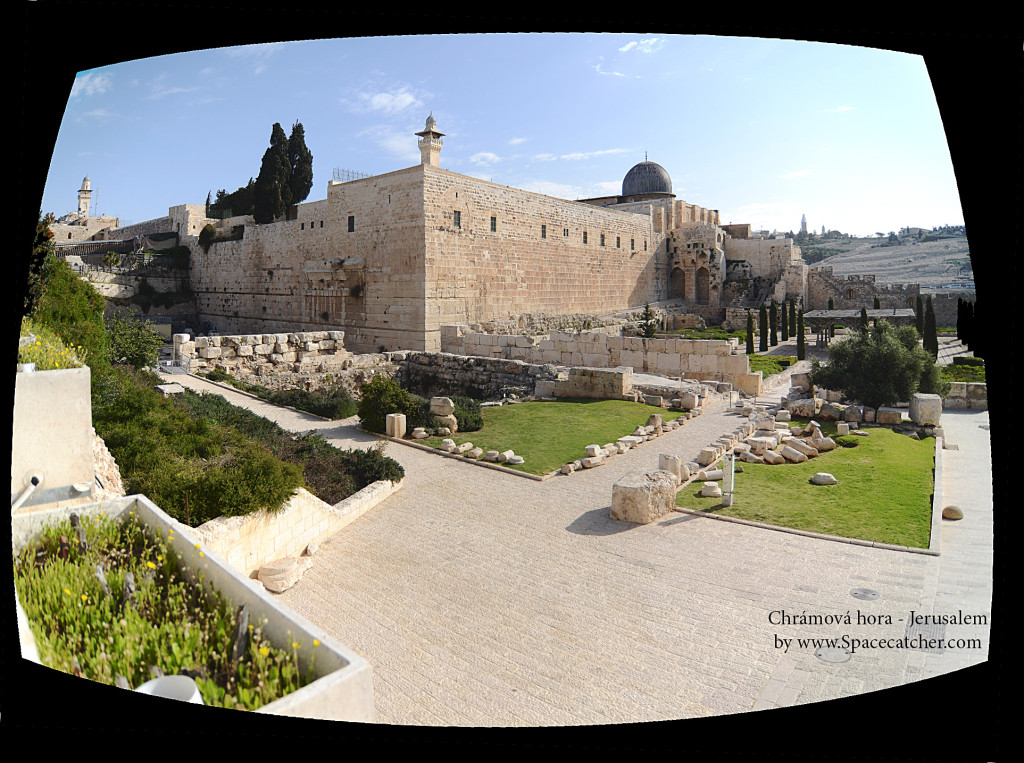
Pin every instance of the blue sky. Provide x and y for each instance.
(762, 130)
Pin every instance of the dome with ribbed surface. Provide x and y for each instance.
(646, 177)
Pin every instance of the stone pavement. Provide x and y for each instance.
(486, 599)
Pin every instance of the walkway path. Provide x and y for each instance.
(482, 598)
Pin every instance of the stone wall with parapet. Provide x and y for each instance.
(439, 373)
(967, 396)
(265, 354)
(248, 542)
(704, 360)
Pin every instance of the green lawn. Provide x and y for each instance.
(550, 434)
(884, 491)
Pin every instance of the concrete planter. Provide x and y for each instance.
(343, 689)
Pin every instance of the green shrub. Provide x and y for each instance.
(467, 413)
(172, 457)
(966, 360)
(133, 341)
(206, 236)
(73, 310)
(381, 396)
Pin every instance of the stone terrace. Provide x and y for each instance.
(482, 598)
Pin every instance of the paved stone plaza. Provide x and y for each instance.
(486, 599)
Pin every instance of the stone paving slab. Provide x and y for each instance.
(481, 599)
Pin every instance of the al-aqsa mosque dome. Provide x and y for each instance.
(647, 180)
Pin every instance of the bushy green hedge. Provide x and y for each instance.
(170, 456)
(330, 473)
(467, 413)
(73, 310)
(381, 396)
(329, 402)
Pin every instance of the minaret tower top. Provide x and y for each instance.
(430, 143)
(84, 195)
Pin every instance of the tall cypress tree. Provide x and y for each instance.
(762, 325)
(864, 320)
(785, 321)
(792, 316)
(931, 335)
(271, 194)
(750, 333)
(773, 324)
(920, 315)
(300, 160)
(801, 349)
(878, 304)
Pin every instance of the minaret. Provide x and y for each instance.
(803, 223)
(430, 143)
(84, 195)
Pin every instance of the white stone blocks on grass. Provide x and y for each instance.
(925, 409)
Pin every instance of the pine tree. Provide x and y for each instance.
(801, 349)
(271, 195)
(750, 333)
(762, 325)
(648, 322)
(300, 160)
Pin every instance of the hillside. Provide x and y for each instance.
(931, 264)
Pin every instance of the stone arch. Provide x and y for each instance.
(702, 282)
(677, 283)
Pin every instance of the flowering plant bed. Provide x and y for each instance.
(164, 604)
(142, 617)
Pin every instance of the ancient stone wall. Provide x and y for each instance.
(856, 291)
(691, 358)
(265, 354)
(544, 255)
(440, 373)
(157, 225)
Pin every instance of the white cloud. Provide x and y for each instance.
(558, 190)
(794, 174)
(650, 45)
(516, 141)
(257, 53)
(484, 158)
(90, 84)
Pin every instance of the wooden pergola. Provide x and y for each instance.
(822, 321)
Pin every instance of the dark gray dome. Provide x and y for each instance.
(646, 177)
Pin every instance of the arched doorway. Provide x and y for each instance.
(703, 284)
(677, 283)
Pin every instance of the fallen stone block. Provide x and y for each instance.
(466, 446)
(842, 429)
(395, 424)
(643, 497)
(514, 459)
(710, 475)
(825, 444)
(593, 450)
(925, 409)
(569, 468)
(707, 456)
(711, 490)
(671, 464)
(592, 461)
(475, 453)
(281, 574)
(505, 455)
(792, 455)
(773, 457)
(442, 406)
(491, 455)
(800, 446)
(824, 478)
(750, 458)
(419, 433)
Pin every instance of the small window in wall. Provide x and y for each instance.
(645, 245)
(602, 239)
(618, 242)
(458, 219)
(494, 224)
(632, 244)
(565, 232)
(543, 231)
(351, 223)
(584, 237)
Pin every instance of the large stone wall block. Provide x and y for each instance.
(643, 497)
(925, 409)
